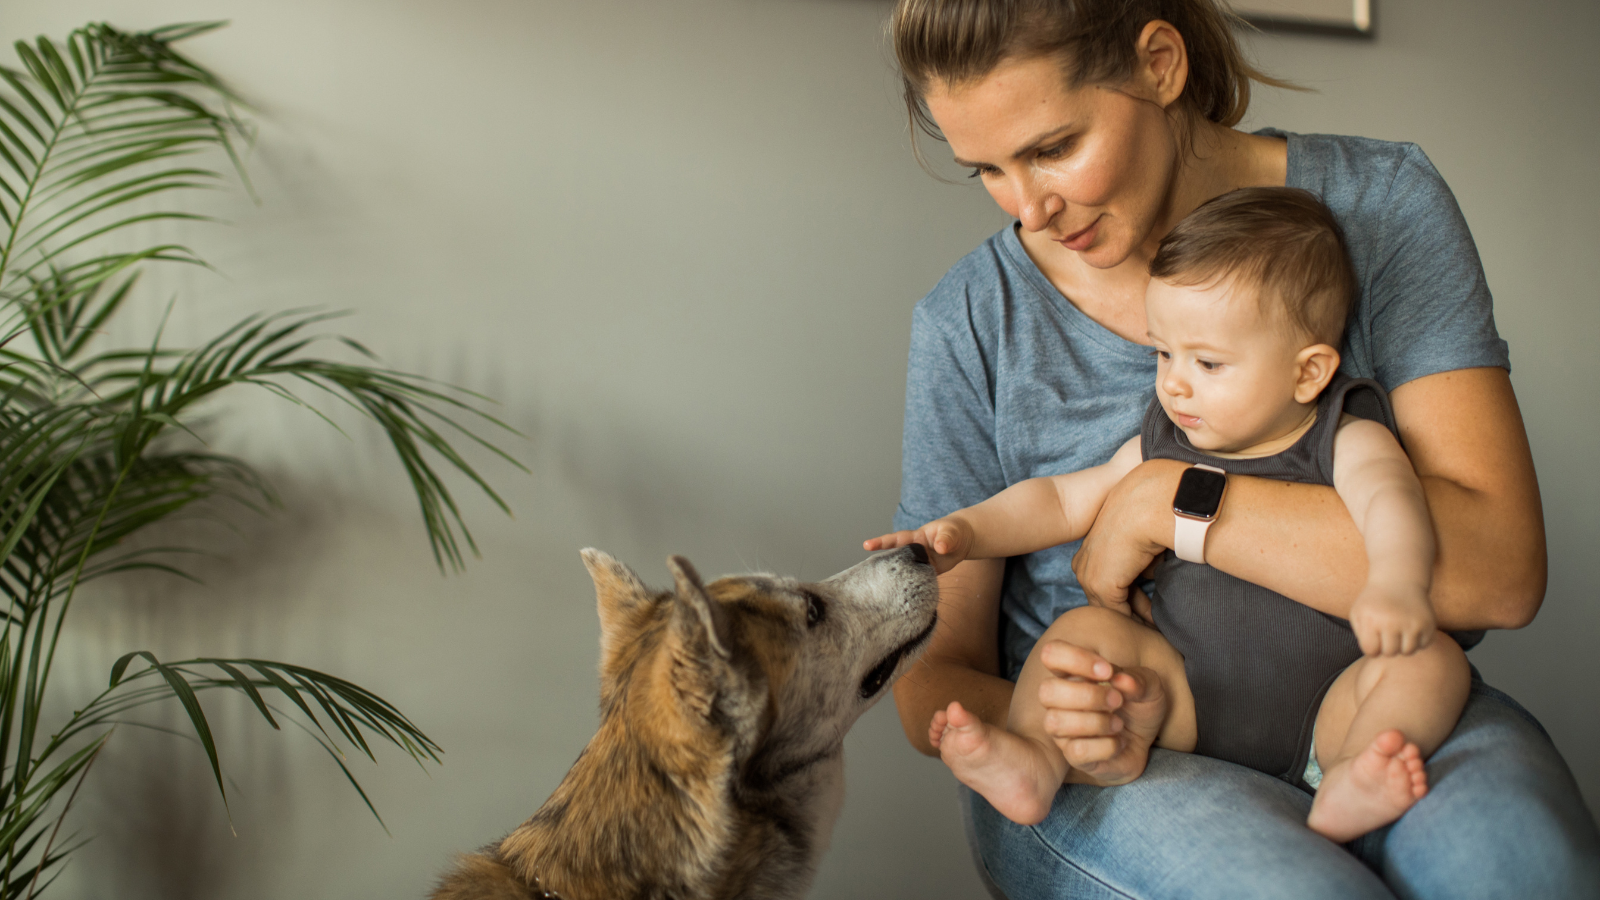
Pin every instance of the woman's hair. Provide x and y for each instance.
(960, 41)
(1281, 241)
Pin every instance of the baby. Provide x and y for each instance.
(1246, 306)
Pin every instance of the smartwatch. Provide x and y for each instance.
(1194, 507)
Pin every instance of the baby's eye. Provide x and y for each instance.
(1208, 365)
(1161, 354)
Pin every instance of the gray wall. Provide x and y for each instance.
(680, 243)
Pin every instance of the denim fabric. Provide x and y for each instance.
(1502, 819)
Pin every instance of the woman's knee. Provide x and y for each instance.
(1503, 815)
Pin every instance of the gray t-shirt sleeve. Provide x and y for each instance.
(948, 453)
(1428, 306)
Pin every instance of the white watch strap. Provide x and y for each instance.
(1189, 535)
(1189, 539)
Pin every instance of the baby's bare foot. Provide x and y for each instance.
(1013, 773)
(1369, 790)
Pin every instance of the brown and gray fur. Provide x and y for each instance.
(718, 768)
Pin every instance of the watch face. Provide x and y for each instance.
(1199, 492)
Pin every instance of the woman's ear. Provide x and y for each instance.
(1315, 366)
(1163, 63)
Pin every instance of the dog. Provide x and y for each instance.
(718, 769)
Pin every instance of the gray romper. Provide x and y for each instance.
(1258, 663)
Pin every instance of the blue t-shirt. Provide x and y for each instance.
(1009, 381)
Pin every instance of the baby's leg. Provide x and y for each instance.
(1019, 770)
(1381, 718)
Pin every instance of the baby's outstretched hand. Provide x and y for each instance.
(1392, 621)
(948, 541)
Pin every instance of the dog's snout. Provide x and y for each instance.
(919, 553)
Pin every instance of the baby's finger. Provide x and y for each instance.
(889, 541)
(1391, 641)
(1136, 685)
(1365, 637)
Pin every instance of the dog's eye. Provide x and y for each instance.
(816, 610)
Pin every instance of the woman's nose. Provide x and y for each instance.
(1038, 205)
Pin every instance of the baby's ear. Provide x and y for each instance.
(1315, 366)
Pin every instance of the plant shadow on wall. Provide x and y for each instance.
(97, 446)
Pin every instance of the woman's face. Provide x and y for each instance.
(1088, 167)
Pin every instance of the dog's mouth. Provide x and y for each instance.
(880, 674)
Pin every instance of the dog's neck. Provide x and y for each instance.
(698, 825)
(680, 815)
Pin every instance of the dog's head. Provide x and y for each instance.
(772, 670)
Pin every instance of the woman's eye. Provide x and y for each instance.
(816, 610)
(1059, 150)
(979, 172)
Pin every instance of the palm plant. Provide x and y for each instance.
(96, 134)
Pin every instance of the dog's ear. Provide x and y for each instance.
(618, 592)
(699, 617)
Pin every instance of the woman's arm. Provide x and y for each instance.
(1464, 434)
(962, 661)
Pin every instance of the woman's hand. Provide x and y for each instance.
(1133, 528)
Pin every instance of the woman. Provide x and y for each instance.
(1099, 125)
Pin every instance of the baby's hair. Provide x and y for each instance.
(1282, 241)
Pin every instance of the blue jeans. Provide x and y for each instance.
(1502, 818)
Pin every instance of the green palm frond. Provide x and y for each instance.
(98, 134)
(91, 132)
(355, 715)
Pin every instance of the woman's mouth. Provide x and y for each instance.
(1079, 241)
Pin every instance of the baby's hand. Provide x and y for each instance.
(1391, 620)
(948, 541)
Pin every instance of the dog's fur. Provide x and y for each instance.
(717, 771)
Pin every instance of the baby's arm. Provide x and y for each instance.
(1392, 614)
(1027, 516)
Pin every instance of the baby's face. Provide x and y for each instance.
(1225, 373)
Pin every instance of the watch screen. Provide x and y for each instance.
(1199, 492)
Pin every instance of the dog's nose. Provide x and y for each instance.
(919, 553)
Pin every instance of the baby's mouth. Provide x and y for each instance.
(1189, 421)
